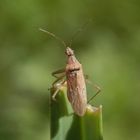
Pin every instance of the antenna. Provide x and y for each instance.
(79, 30)
(54, 36)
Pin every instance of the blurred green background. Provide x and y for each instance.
(108, 48)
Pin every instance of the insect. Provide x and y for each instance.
(73, 76)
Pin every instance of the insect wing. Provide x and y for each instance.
(76, 91)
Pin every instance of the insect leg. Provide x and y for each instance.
(96, 87)
(58, 80)
(56, 86)
(58, 83)
(59, 73)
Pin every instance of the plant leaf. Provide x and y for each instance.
(65, 125)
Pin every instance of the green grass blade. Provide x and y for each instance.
(65, 125)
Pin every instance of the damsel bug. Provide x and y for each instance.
(74, 78)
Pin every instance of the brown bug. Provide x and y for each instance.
(74, 78)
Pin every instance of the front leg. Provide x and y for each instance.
(58, 83)
(56, 86)
(59, 73)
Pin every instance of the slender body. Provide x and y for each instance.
(76, 87)
(74, 77)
